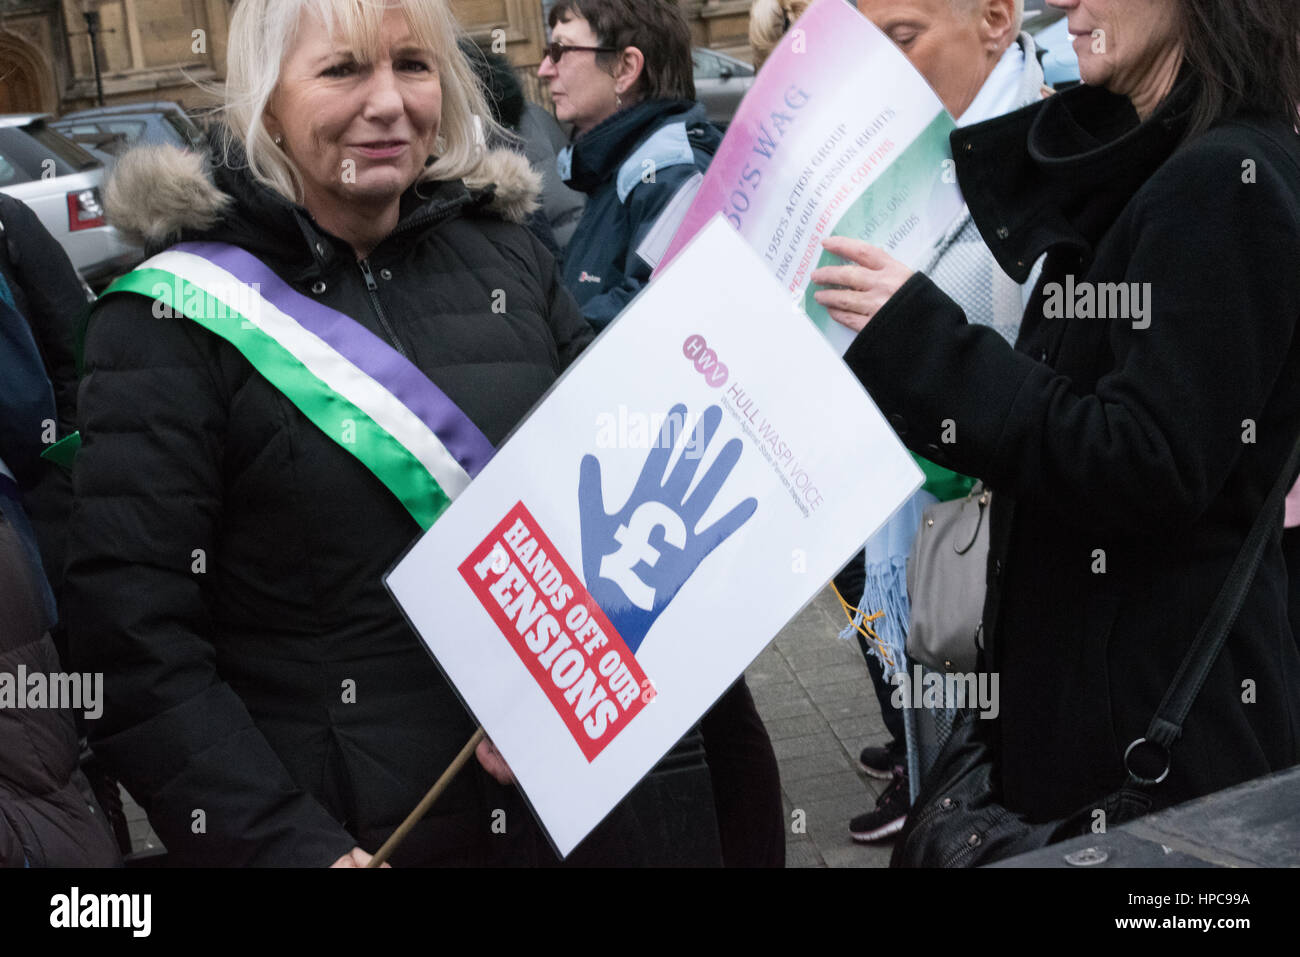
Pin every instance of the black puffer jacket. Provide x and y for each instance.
(48, 817)
(266, 702)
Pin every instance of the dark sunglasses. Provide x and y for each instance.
(555, 51)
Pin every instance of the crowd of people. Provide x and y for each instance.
(218, 551)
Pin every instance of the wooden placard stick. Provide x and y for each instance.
(422, 808)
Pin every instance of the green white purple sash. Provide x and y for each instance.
(351, 384)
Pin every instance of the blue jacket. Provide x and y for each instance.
(630, 167)
(26, 397)
(26, 405)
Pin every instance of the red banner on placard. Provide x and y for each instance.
(559, 632)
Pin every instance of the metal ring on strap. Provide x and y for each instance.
(1146, 780)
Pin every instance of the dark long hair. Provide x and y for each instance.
(655, 27)
(1246, 55)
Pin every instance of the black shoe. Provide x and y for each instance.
(890, 813)
(880, 762)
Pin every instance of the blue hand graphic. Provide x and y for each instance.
(635, 560)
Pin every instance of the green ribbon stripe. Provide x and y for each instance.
(390, 461)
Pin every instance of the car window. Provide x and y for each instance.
(35, 151)
(734, 67)
(9, 174)
(60, 147)
(707, 66)
(189, 134)
(130, 130)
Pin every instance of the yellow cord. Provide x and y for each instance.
(864, 629)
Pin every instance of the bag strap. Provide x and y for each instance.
(1154, 747)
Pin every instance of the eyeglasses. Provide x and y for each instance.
(555, 50)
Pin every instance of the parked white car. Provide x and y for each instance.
(62, 183)
(721, 82)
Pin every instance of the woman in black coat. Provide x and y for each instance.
(1149, 405)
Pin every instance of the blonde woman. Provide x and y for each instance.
(768, 22)
(265, 700)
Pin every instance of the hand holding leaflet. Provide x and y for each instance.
(857, 292)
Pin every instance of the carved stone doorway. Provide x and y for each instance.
(26, 77)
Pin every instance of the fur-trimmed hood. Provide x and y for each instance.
(158, 195)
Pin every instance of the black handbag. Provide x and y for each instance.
(958, 819)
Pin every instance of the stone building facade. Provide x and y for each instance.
(147, 50)
(168, 49)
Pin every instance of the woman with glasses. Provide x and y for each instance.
(620, 71)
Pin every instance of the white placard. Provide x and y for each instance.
(591, 595)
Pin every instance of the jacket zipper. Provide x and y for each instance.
(960, 856)
(373, 288)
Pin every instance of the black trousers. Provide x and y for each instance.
(746, 781)
(648, 827)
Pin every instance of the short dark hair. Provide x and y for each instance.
(1245, 55)
(655, 27)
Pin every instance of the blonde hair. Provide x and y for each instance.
(768, 22)
(262, 32)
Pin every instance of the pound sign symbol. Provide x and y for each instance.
(634, 541)
(614, 543)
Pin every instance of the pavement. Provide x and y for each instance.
(143, 839)
(814, 695)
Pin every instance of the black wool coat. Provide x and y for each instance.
(1130, 454)
(226, 556)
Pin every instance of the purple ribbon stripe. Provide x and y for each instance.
(363, 349)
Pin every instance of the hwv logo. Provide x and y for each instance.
(706, 361)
